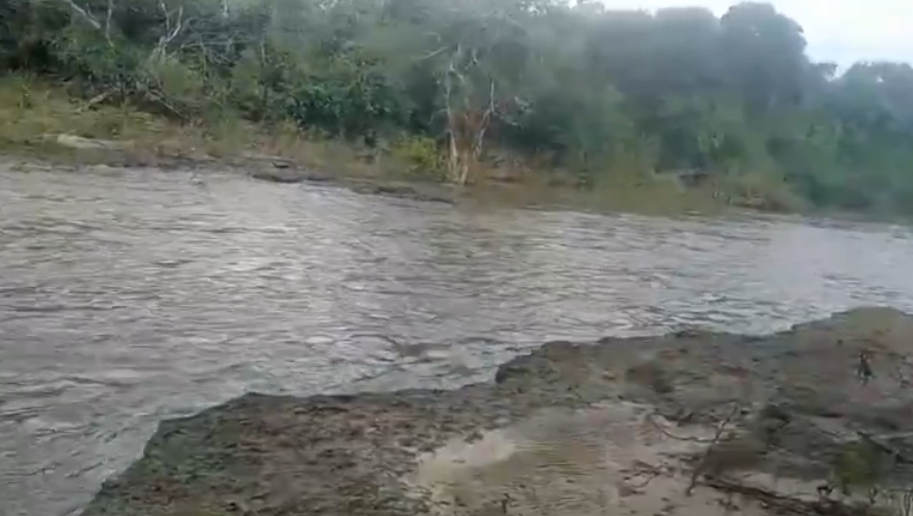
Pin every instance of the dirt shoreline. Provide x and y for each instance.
(99, 154)
(692, 423)
(360, 173)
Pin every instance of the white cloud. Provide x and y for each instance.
(836, 30)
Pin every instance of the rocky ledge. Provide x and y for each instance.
(814, 420)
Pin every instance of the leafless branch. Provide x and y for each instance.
(453, 162)
(474, 57)
(433, 53)
(669, 434)
(172, 29)
(167, 105)
(108, 16)
(486, 118)
(452, 67)
(84, 14)
(178, 25)
(699, 468)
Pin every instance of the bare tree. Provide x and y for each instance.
(466, 123)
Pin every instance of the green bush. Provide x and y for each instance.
(422, 156)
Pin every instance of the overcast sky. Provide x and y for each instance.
(836, 30)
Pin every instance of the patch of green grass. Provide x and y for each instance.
(31, 109)
(858, 467)
(33, 113)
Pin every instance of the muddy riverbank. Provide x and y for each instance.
(806, 420)
(265, 168)
(364, 174)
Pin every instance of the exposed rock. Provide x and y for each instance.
(692, 423)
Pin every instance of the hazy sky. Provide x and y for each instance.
(836, 30)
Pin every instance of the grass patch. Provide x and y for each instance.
(33, 113)
(30, 109)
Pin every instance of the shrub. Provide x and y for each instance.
(421, 155)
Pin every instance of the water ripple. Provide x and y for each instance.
(128, 298)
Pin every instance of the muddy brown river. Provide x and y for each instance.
(127, 297)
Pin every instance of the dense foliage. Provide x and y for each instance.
(582, 89)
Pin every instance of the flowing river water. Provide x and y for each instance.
(131, 296)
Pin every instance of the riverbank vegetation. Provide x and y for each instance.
(467, 90)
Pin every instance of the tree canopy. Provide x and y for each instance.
(589, 91)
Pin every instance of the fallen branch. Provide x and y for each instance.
(98, 99)
(784, 504)
(669, 434)
(699, 469)
(158, 99)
